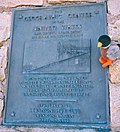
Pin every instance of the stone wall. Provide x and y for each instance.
(6, 6)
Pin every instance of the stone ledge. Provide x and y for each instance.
(54, 1)
(60, 1)
(15, 3)
(78, 0)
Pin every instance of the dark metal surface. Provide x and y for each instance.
(55, 79)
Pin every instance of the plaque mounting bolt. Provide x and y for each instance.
(96, 12)
(98, 116)
(13, 114)
(35, 29)
(20, 17)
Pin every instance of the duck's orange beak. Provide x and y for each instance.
(100, 44)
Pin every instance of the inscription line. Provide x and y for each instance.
(56, 100)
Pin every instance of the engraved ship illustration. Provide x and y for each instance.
(66, 56)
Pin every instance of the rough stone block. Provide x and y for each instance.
(117, 24)
(5, 22)
(54, 1)
(114, 30)
(1, 107)
(23, 129)
(14, 3)
(115, 105)
(3, 129)
(1, 86)
(3, 62)
(111, 19)
(114, 7)
(1, 95)
(60, 130)
(115, 72)
(113, 25)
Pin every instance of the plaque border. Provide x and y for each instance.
(98, 127)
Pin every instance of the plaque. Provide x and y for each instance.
(55, 78)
